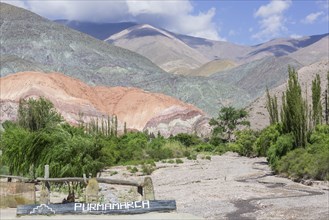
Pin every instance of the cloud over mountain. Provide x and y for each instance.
(272, 20)
(178, 16)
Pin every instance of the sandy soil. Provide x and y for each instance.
(225, 187)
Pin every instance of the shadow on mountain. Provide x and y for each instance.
(144, 32)
(308, 41)
(276, 50)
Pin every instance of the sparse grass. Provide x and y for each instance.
(114, 173)
(148, 168)
(192, 157)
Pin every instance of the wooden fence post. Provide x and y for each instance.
(148, 189)
(45, 189)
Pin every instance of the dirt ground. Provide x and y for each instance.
(233, 187)
(225, 187)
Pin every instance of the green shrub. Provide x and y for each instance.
(320, 134)
(170, 161)
(311, 162)
(224, 147)
(114, 173)
(147, 169)
(187, 139)
(192, 157)
(267, 137)
(134, 170)
(177, 149)
(179, 161)
(244, 142)
(281, 147)
(204, 147)
(208, 157)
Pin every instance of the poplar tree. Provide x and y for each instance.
(272, 107)
(316, 101)
(125, 128)
(294, 110)
(326, 101)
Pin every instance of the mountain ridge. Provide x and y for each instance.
(35, 43)
(78, 101)
(160, 46)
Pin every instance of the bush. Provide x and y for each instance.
(134, 170)
(192, 157)
(306, 163)
(176, 148)
(187, 139)
(179, 161)
(281, 147)
(244, 142)
(114, 173)
(320, 134)
(204, 147)
(267, 137)
(223, 148)
(156, 149)
(147, 169)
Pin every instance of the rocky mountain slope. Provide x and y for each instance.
(30, 42)
(160, 46)
(74, 99)
(258, 114)
(298, 49)
(254, 77)
(212, 67)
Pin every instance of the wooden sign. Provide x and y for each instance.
(135, 207)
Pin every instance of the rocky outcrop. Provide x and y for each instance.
(178, 119)
(75, 100)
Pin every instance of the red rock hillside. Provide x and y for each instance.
(139, 109)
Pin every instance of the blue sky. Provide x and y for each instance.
(240, 21)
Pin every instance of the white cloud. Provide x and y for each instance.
(178, 16)
(232, 33)
(17, 3)
(273, 8)
(296, 36)
(311, 18)
(272, 20)
(324, 4)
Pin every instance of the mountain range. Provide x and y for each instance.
(169, 50)
(205, 73)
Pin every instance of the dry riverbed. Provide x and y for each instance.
(233, 187)
(225, 187)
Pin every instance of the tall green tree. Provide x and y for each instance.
(294, 110)
(227, 121)
(272, 107)
(316, 101)
(36, 114)
(326, 101)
